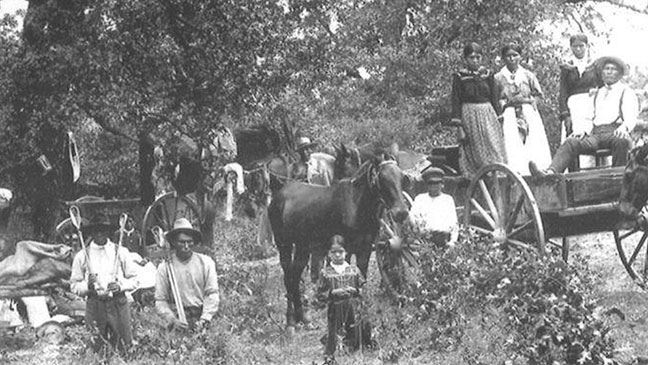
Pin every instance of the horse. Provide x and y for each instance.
(301, 213)
(634, 191)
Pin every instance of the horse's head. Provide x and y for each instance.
(386, 180)
(634, 191)
(257, 184)
(347, 161)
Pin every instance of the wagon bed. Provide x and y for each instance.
(526, 211)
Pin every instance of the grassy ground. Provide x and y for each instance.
(250, 327)
(621, 303)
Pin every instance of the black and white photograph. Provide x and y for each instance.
(324, 182)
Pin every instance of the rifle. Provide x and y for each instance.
(161, 241)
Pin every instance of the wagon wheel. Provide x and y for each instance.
(396, 255)
(66, 234)
(633, 252)
(164, 211)
(500, 204)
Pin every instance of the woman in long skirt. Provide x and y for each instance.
(524, 133)
(475, 106)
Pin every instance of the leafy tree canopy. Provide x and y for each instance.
(151, 68)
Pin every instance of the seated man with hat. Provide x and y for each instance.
(616, 109)
(433, 213)
(196, 279)
(104, 279)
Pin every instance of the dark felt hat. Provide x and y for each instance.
(432, 174)
(182, 225)
(601, 62)
(100, 222)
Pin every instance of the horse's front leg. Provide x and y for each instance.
(286, 262)
(362, 261)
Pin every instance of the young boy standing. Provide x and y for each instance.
(339, 285)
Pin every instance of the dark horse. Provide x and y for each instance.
(301, 213)
(634, 192)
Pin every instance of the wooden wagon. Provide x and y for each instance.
(541, 213)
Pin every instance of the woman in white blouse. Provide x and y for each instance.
(524, 133)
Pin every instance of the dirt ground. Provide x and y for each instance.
(621, 303)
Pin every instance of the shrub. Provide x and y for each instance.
(475, 300)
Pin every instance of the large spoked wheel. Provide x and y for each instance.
(633, 251)
(164, 211)
(500, 204)
(397, 256)
(67, 234)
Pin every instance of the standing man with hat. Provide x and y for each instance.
(433, 213)
(616, 109)
(104, 279)
(195, 276)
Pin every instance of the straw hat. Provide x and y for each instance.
(182, 225)
(601, 62)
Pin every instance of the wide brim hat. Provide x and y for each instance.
(100, 222)
(304, 142)
(623, 66)
(182, 225)
(432, 174)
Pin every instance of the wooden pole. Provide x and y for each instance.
(159, 236)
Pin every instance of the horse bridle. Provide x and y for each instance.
(374, 181)
(356, 152)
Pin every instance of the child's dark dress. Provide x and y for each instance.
(343, 306)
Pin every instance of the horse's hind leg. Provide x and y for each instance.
(301, 307)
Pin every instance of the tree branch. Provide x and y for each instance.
(619, 3)
(87, 108)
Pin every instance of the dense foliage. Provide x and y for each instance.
(489, 306)
(341, 70)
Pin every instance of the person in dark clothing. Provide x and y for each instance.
(339, 285)
(475, 107)
(579, 79)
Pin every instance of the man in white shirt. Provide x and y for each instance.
(616, 109)
(104, 279)
(196, 279)
(433, 213)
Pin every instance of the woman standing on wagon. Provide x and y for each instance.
(579, 80)
(524, 133)
(475, 106)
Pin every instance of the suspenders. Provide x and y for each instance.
(618, 119)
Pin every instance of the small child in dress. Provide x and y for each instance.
(339, 285)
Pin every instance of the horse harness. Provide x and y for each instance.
(373, 181)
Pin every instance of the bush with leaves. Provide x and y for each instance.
(533, 309)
